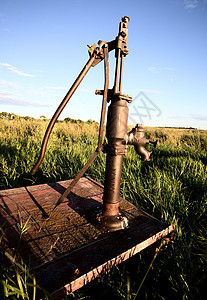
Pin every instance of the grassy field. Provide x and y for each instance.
(172, 187)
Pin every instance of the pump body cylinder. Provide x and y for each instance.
(116, 131)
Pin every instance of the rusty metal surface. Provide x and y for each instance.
(66, 240)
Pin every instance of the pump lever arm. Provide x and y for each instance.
(59, 110)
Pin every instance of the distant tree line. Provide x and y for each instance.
(12, 116)
(171, 127)
(78, 121)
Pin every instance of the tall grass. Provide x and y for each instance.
(17, 281)
(172, 187)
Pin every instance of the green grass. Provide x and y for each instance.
(172, 187)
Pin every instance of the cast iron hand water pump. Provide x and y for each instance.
(111, 218)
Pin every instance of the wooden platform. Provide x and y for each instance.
(66, 249)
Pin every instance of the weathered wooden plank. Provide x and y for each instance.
(67, 240)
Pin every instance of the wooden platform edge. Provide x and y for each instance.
(108, 265)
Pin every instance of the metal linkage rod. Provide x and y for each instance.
(105, 95)
(76, 179)
(116, 81)
(101, 129)
(121, 72)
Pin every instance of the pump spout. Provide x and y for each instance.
(137, 138)
(140, 149)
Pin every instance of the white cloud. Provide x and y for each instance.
(149, 91)
(8, 98)
(155, 69)
(168, 69)
(6, 29)
(190, 4)
(152, 69)
(199, 117)
(178, 117)
(87, 91)
(55, 87)
(16, 70)
(5, 83)
(6, 93)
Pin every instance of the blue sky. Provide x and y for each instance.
(43, 47)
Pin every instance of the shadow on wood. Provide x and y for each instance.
(65, 247)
